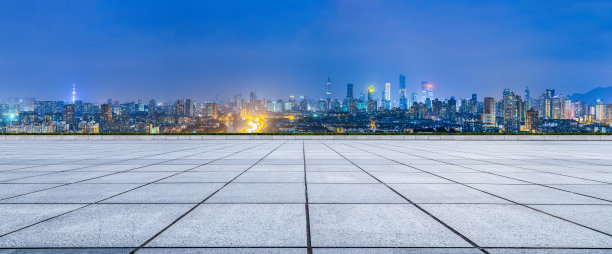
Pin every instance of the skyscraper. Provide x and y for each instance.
(152, 107)
(73, 93)
(426, 91)
(371, 101)
(488, 111)
(527, 96)
(512, 111)
(69, 116)
(531, 120)
(328, 93)
(189, 106)
(106, 113)
(349, 91)
(386, 102)
(403, 101)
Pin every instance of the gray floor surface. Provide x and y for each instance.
(294, 196)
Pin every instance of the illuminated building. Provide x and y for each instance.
(386, 101)
(403, 101)
(600, 111)
(512, 111)
(349, 91)
(556, 108)
(69, 115)
(567, 109)
(189, 107)
(488, 112)
(73, 93)
(152, 107)
(212, 110)
(328, 93)
(371, 108)
(426, 91)
(106, 111)
(531, 120)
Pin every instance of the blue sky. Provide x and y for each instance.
(198, 49)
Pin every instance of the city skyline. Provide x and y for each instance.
(282, 48)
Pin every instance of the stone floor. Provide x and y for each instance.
(288, 196)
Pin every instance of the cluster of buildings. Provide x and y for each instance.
(363, 112)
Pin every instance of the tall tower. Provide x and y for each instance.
(349, 91)
(73, 92)
(328, 93)
(403, 102)
(387, 96)
(426, 91)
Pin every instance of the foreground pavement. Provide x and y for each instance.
(294, 196)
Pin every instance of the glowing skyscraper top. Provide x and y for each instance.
(73, 93)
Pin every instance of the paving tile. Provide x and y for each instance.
(16, 216)
(14, 189)
(396, 250)
(352, 193)
(377, 225)
(515, 226)
(225, 250)
(271, 177)
(167, 193)
(595, 190)
(479, 178)
(60, 177)
(201, 177)
(594, 216)
(131, 177)
(67, 251)
(444, 193)
(251, 225)
(395, 177)
(260, 193)
(534, 194)
(339, 177)
(98, 226)
(73, 193)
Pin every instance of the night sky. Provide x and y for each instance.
(198, 49)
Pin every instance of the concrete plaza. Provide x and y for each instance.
(302, 196)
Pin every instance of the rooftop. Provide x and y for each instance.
(301, 196)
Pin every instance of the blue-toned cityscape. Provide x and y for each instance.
(354, 112)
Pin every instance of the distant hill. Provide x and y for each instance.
(602, 93)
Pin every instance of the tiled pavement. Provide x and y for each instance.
(294, 196)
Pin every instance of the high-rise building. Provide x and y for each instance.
(488, 111)
(403, 101)
(556, 108)
(512, 111)
(73, 93)
(106, 113)
(600, 111)
(567, 109)
(609, 112)
(152, 107)
(349, 91)
(212, 110)
(531, 120)
(413, 98)
(69, 116)
(426, 91)
(386, 102)
(189, 107)
(527, 95)
(141, 107)
(328, 93)
(371, 100)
